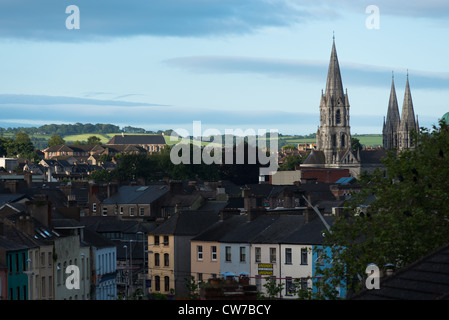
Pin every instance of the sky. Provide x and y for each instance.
(230, 64)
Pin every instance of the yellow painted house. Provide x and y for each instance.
(169, 253)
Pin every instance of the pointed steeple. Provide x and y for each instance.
(408, 114)
(334, 86)
(392, 123)
(393, 118)
(408, 123)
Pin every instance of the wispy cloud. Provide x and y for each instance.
(353, 74)
(44, 100)
(45, 19)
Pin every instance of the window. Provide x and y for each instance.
(115, 210)
(42, 258)
(156, 259)
(131, 211)
(141, 211)
(50, 286)
(242, 254)
(259, 283)
(288, 255)
(258, 254)
(166, 259)
(156, 240)
(121, 210)
(214, 253)
(165, 240)
(304, 256)
(166, 283)
(338, 117)
(304, 284)
(199, 251)
(105, 211)
(43, 287)
(157, 284)
(228, 253)
(289, 287)
(94, 207)
(272, 255)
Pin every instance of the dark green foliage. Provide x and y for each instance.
(408, 218)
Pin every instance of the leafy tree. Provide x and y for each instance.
(291, 162)
(55, 140)
(401, 214)
(273, 289)
(356, 145)
(289, 147)
(93, 140)
(192, 288)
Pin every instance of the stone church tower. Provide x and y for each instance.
(334, 150)
(397, 131)
(334, 134)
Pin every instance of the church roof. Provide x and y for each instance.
(315, 157)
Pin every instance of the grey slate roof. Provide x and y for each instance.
(187, 223)
(315, 157)
(309, 233)
(219, 229)
(137, 194)
(10, 197)
(425, 279)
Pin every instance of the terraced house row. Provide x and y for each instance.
(261, 244)
(46, 256)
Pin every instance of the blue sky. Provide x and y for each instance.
(249, 64)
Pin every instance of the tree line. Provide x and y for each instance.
(156, 166)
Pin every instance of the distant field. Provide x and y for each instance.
(369, 140)
(83, 137)
(366, 140)
(373, 140)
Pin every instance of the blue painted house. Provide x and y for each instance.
(15, 257)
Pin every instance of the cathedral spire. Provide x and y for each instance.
(334, 86)
(408, 114)
(393, 117)
(408, 123)
(391, 124)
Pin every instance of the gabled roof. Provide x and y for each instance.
(137, 139)
(315, 157)
(137, 194)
